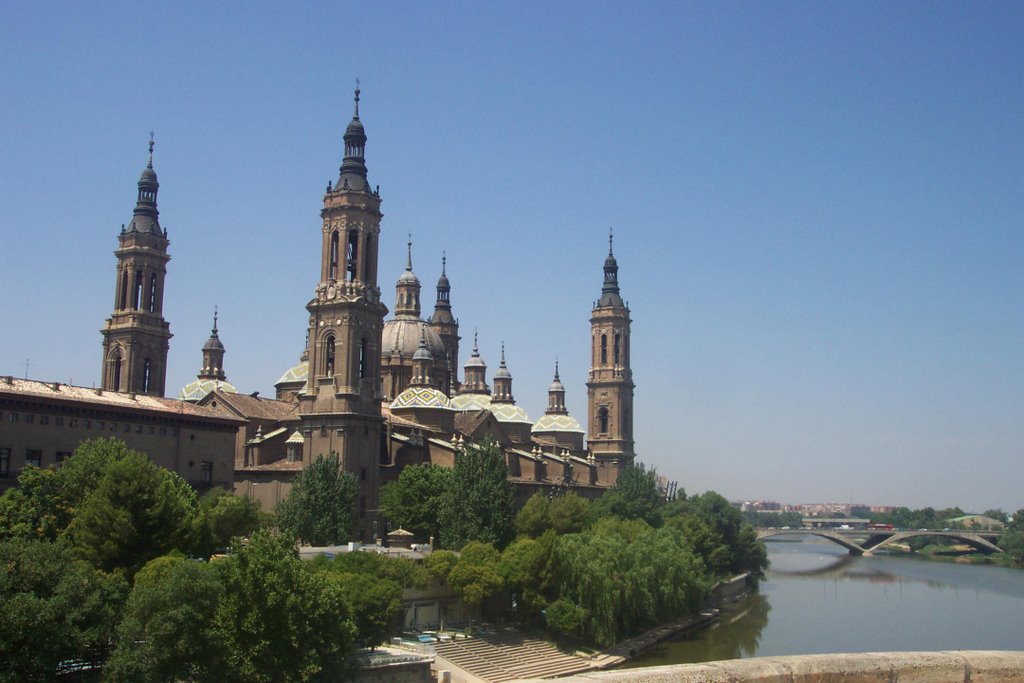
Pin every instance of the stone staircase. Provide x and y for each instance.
(509, 656)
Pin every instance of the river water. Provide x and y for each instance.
(819, 599)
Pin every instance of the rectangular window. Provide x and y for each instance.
(207, 472)
(163, 431)
(12, 417)
(29, 419)
(62, 456)
(33, 457)
(72, 422)
(362, 473)
(138, 429)
(152, 430)
(44, 419)
(5, 462)
(58, 421)
(88, 424)
(101, 425)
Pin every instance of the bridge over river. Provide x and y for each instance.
(866, 542)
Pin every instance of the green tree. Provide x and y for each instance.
(724, 525)
(165, 632)
(479, 505)
(439, 564)
(376, 605)
(81, 474)
(319, 508)
(535, 517)
(415, 499)
(569, 513)
(278, 618)
(634, 495)
(35, 508)
(1012, 539)
(54, 610)
(565, 618)
(475, 576)
(527, 568)
(222, 517)
(138, 512)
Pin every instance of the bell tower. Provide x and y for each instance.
(610, 380)
(136, 336)
(340, 403)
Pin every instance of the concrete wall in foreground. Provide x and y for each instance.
(968, 666)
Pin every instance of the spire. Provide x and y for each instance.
(475, 372)
(556, 396)
(422, 362)
(610, 291)
(407, 289)
(353, 169)
(503, 381)
(145, 218)
(213, 354)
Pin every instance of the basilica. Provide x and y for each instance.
(381, 389)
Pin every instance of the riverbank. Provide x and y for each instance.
(957, 554)
(732, 590)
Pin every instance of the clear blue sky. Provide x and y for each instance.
(818, 209)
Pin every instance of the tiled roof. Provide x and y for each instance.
(281, 465)
(196, 390)
(255, 407)
(557, 423)
(97, 398)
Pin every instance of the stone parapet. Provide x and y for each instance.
(976, 666)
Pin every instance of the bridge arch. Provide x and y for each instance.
(833, 536)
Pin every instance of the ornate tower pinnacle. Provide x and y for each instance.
(556, 396)
(610, 380)
(407, 289)
(475, 372)
(446, 326)
(503, 381)
(213, 354)
(136, 336)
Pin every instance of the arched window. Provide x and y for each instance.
(332, 270)
(366, 261)
(124, 291)
(137, 298)
(618, 347)
(117, 371)
(352, 255)
(147, 368)
(152, 293)
(604, 349)
(363, 357)
(602, 420)
(329, 355)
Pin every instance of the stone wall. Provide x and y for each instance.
(973, 666)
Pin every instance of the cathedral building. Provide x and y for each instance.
(381, 390)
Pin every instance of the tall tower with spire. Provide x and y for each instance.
(610, 380)
(447, 327)
(340, 403)
(136, 336)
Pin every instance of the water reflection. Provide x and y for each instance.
(822, 599)
(735, 635)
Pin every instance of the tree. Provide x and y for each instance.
(565, 618)
(165, 632)
(81, 474)
(475, 576)
(138, 512)
(569, 513)
(535, 517)
(634, 495)
(222, 517)
(415, 499)
(376, 604)
(1012, 539)
(728, 544)
(479, 505)
(54, 610)
(278, 618)
(319, 508)
(34, 509)
(439, 564)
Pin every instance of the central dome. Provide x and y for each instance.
(403, 334)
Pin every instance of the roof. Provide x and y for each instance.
(260, 437)
(297, 373)
(557, 423)
(509, 412)
(397, 421)
(249, 406)
(421, 397)
(198, 389)
(111, 400)
(281, 465)
(468, 402)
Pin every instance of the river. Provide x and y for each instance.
(818, 599)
